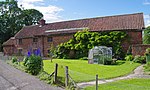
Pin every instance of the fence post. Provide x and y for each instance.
(67, 77)
(55, 75)
(97, 82)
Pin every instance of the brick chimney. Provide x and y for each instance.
(42, 22)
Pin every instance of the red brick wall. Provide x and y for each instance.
(42, 44)
(28, 44)
(9, 50)
(139, 49)
(132, 39)
(57, 39)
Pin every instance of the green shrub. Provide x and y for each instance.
(25, 59)
(129, 58)
(139, 59)
(84, 58)
(14, 60)
(147, 51)
(147, 67)
(45, 77)
(33, 64)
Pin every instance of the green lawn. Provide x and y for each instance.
(130, 84)
(81, 71)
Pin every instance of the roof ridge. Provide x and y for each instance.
(96, 18)
(5, 43)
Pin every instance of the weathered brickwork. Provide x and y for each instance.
(42, 44)
(132, 38)
(139, 49)
(56, 40)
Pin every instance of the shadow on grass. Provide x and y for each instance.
(118, 63)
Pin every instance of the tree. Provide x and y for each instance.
(146, 39)
(31, 16)
(13, 18)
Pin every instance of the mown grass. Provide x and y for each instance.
(130, 84)
(81, 71)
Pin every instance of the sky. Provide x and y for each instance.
(64, 10)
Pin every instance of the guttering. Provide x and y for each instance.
(69, 29)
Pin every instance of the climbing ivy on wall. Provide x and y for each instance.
(82, 41)
(146, 39)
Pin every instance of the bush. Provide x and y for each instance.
(147, 51)
(129, 58)
(139, 59)
(45, 77)
(147, 68)
(25, 59)
(33, 64)
(14, 60)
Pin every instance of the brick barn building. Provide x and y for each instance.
(43, 35)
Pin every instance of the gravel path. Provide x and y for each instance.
(13, 79)
(138, 73)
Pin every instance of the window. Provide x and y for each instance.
(48, 51)
(20, 41)
(35, 39)
(20, 51)
(49, 39)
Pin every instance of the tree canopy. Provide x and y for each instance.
(13, 18)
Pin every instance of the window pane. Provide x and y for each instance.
(35, 39)
(49, 39)
(19, 51)
(20, 41)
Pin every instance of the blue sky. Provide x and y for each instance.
(60, 10)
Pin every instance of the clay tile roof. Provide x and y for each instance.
(108, 23)
(9, 42)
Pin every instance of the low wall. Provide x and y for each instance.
(139, 49)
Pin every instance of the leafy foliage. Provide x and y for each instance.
(33, 64)
(44, 76)
(79, 45)
(139, 59)
(146, 39)
(129, 58)
(25, 59)
(147, 51)
(147, 68)
(14, 60)
(31, 16)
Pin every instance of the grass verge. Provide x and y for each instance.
(81, 71)
(130, 84)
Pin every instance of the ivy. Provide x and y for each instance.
(84, 40)
(146, 39)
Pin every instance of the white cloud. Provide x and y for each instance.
(30, 1)
(146, 2)
(147, 20)
(50, 12)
